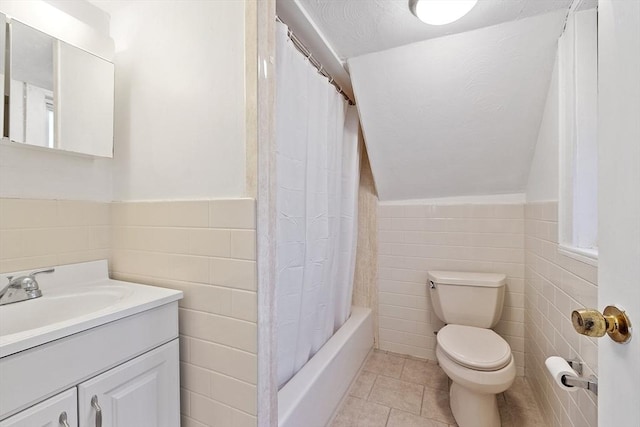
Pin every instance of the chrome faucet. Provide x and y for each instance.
(22, 288)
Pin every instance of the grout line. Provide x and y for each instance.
(388, 417)
(222, 403)
(226, 346)
(451, 259)
(501, 233)
(371, 389)
(246, 322)
(438, 245)
(421, 401)
(402, 306)
(178, 227)
(184, 254)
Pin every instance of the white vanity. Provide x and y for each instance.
(90, 352)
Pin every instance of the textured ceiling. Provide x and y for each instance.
(357, 27)
(457, 115)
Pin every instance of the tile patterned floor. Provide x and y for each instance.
(401, 391)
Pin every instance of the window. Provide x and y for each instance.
(50, 121)
(578, 204)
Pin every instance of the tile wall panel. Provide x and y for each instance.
(365, 282)
(554, 286)
(42, 233)
(414, 239)
(207, 250)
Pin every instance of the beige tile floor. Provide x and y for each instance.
(401, 391)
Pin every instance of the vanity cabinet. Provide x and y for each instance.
(48, 413)
(143, 392)
(114, 340)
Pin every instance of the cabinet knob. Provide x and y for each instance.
(96, 406)
(612, 321)
(63, 420)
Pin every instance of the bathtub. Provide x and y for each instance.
(312, 396)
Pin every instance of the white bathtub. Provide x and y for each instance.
(311, 397)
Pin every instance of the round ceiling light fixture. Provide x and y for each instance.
(440, 12)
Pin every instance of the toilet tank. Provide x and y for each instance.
(463, 298)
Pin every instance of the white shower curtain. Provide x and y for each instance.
(317, 177)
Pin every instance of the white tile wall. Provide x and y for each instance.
(554, 286)
(365, 280)
(38, 233)
(207, 250)
(414, 239)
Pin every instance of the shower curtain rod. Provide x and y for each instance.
(313, 61)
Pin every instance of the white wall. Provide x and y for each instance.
(544, 177)
(85, 11)
(38, 173)
(542, 184)
(78, 23)
(180, 100)
(456, 115)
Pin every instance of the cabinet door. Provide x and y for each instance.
(143, 392)
(48, 413)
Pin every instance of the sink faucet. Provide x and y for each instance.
(22, 288)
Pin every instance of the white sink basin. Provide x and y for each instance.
(74, 298)
(58, 306)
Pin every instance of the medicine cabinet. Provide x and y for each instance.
(56, 95)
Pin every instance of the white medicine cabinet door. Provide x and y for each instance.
(144, 392)
(53, 412)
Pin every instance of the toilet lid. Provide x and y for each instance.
(474, 348)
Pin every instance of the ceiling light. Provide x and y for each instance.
(440, 12)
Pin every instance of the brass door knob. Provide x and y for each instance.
(612, 321)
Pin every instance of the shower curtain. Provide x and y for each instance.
(317, 173)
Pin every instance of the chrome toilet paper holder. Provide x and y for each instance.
(590, 383)
(575, 364)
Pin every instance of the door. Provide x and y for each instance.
(53, 412)
(619, 205)
(143, 392)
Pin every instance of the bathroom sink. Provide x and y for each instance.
(58, 306)
(74, 298)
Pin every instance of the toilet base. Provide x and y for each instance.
(472, 409)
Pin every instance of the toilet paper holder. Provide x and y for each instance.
(590, 383)
(575, 364)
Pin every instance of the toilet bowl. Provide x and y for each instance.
(480, 365)
(478, 361)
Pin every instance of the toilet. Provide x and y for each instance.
(476, 359)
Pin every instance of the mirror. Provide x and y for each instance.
(3, 25)
(84, 102)
(60, 96)
(31, 117)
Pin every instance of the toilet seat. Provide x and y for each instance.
(474, 348)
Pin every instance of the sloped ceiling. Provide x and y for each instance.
(457, 115)
(358, 27)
